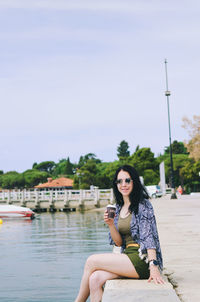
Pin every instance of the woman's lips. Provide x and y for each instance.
(125, 190)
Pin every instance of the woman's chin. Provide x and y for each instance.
(126, 193)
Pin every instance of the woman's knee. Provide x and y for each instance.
(97, 280)
(90, 262)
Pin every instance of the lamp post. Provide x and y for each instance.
(167, 93)
(79, 174)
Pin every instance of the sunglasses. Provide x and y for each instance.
(120, 181)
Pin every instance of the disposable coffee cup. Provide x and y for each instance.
(111, 210)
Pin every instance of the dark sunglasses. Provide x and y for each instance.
(120, 181)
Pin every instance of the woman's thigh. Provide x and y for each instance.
(119, 264)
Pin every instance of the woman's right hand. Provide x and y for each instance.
(108, 221)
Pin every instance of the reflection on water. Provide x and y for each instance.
(43, 259)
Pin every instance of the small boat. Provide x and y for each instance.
(11, 211)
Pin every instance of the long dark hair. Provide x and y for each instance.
(137, 194)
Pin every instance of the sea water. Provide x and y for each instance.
(42, 260)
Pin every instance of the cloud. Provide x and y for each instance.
(80, 76)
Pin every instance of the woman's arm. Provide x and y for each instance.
(154, 270)
(113, 231)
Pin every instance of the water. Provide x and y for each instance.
(42, 260)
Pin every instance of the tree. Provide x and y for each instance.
(177, 148)
(137, 148)
(190, 175)
(150, 177)
(34, 165)
(193, 128)
(34, 177)
(123, 150)
(68, 167)
(144, 159)
(45, 166)
(146, 164)
(83, 159)
(105, 174)
(179, 161)
(86, 175)
(11, 180)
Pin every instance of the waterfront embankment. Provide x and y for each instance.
(179, 230)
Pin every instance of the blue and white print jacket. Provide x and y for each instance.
(143, 230)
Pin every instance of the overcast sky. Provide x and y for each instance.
(79, 76)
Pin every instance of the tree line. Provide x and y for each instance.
(90, 170)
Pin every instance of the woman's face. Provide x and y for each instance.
(124, 183)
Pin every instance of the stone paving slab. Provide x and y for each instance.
(138, 291)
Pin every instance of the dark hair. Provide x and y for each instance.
(137, 194)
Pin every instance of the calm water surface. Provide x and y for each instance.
(42, 260)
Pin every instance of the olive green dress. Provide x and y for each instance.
(142, 268)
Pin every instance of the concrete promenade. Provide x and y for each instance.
(179, 231)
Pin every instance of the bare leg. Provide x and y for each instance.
(96, 282)
(118, 264)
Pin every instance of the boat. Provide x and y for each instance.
(12, 211)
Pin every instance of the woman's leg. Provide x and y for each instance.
(118, 264)
(96, 282)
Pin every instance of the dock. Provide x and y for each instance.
(179, 231)
(58, 200)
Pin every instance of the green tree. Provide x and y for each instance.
(123, 150)
(86, 175)
(150, 177)
(34, 177)
(1, 172)
(34, 165)
(177, 148)
(12, 180)
(143, 160)
(45, 166)
(190, 175)
(68, 167)
(179, 161)
(105, 174)
(83, 159)
(137, 148)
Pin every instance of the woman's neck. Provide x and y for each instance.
(126, 200)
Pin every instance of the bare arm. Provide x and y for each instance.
(113, 231)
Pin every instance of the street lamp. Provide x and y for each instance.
(167, 93)
(79, 174)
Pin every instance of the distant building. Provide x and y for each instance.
(56, 184)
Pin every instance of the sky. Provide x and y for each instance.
(80, 76)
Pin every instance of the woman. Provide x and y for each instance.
(134, 229)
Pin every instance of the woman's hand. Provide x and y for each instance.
(108, 221)
(155, 275)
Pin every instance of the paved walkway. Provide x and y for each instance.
(130, 290)
(179, 230)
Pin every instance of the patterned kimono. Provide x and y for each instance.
(143, 230)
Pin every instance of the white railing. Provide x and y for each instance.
(23, 196)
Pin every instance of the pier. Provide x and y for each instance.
(58, 200)
(179, 231)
